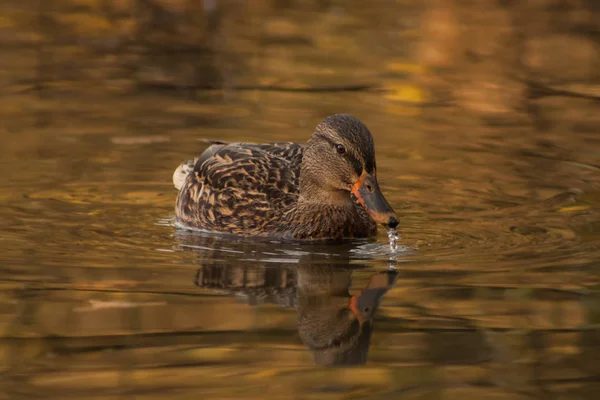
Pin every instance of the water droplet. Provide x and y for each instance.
(393, 237)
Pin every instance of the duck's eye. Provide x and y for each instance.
(340, 148)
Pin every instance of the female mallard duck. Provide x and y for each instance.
(326, 189)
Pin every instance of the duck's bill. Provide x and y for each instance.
(366, 190)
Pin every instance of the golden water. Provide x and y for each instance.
(495, 290)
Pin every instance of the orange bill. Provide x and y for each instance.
(366, 190)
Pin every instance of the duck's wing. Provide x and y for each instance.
(288, 151)
(238, 187)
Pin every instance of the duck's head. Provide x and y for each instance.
(338, 165)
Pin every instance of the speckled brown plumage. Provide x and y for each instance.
(283, 189)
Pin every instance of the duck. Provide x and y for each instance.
(326, 189)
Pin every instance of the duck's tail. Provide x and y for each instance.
(182, 172)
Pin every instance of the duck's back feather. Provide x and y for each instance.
(239, 187)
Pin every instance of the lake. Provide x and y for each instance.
(491, 163)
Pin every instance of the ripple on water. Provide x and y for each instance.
(470, 239)
(532, 229)
(465, 240)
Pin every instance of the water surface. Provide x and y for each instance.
(494, 292)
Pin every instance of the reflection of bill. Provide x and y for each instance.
(334, 325)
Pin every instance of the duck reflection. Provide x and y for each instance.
(333, 324)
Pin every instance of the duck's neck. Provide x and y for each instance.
(314, 189)
(324, 218)
(324, 211)
(326, 198)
